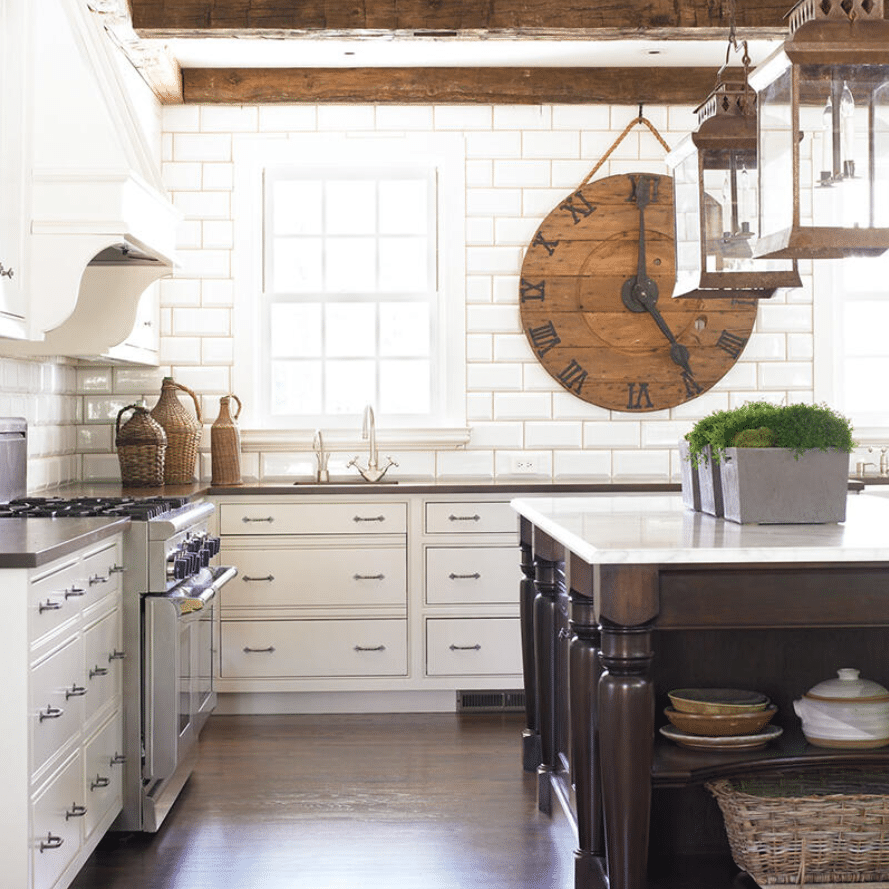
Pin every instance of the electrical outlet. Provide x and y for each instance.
(525, 465)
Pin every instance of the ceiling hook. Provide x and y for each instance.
(640, 111)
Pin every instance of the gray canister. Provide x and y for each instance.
(13, 458)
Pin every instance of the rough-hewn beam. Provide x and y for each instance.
(157, 18)
(524, 86)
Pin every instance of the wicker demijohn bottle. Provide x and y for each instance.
(141, 447)
(225, 444)
(183, 431)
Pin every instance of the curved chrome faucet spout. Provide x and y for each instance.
(373, 472)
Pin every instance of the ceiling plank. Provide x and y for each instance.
(522, 86)
(159, 18)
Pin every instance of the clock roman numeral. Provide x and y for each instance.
(573, 377)
(540, 241)
(578, 206)
(731, 343)
(692, 386)
(738, 301)
(544, 337)
(637, 397)
(644, 189)
(529, 290)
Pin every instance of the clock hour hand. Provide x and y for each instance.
(640, 293)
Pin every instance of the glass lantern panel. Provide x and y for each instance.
(730, 217)
(834, 103)
(775, 135)
(881, 156)
(687, 215)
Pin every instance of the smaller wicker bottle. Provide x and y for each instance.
(141, 448)
(225, 444)
(183, 432)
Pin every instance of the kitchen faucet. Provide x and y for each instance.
(372, 473)
(322, 456)
(884, 462)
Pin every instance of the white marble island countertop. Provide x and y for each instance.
(646, 529)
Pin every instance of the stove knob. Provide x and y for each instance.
(193, 545)
(180, 568)
(194, 563)
(205, 556)
(215, 545)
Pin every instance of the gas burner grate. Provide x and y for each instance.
(140, 509)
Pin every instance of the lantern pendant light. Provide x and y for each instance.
(715, 198)
(823, 134)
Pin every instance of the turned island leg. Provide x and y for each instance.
(527, 595)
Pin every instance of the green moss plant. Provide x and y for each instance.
(799, 427)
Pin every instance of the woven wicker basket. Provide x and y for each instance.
(141, 448)
(183, 433)
(808, 828)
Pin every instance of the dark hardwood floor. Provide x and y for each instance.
(408, 801)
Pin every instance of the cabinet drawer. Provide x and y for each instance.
(54, 598)
(57, 694)
(362, 517)
(310, 648)
(471, 518)
(100, 571)
(272, 578)
(103, 666)
(473, 646)
(58, 815)
(472, 574)
(103, 774)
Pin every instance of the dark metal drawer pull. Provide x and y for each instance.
(75, 811)
(76, 691)
(98, 671)
(368, 577)
(267, 518)
(474, 576)
(269, 650)
(366, 648)
(51, 842)
(97, 578)
(475, 647)
(99, 782)
(5, 272)
(116, 569)
(267, 579)
(117, 655)
(118, 759)
(51, 713)
(464, 518)
(49, 605)
(375, 518)
(75, 592)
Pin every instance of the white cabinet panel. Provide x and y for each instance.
(360, 517)
(471, 517)
(271, 577)
(58, 816)
(102, 647)
(473, 646)
(472, 575)
(103, 774)
(310, 648)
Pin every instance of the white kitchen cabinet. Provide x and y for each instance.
(62, 713)
(406, 594)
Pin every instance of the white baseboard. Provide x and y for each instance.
(233, 703)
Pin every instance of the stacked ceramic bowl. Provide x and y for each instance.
(720, 719)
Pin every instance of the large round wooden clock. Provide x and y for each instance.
(597, 307)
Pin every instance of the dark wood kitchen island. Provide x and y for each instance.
(627, 597)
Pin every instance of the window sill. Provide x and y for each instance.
(414, 439)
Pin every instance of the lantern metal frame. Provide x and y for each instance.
(726, 139)
(831, 42)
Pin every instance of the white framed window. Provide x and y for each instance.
(851, 348)
(350, 281)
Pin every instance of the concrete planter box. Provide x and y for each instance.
(710, 482)
(691, 486)
(771, 486)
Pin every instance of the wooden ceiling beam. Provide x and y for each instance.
(520, 86)
(166, 18)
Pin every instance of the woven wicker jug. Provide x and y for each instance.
(183, 433)
(141, 448)
(225, 444)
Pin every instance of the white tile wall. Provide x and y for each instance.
(520, 161)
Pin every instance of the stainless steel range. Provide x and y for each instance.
(169, 587)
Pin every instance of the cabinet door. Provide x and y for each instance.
(313, 648)
(288, 577)
(57, 694)
(472, 575)
(363, 517)
(102, 665)
(53, 599)
(471, 518)
(58, 813)
(473, 646)
(103, 774)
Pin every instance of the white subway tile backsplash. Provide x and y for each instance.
(180, 292)
(521, 173)
(136, 380)
(505, 464)
(505, 289)
(98, 409)
(201, 322)
(552, 434)
(492, 319)
(218, 293)
(217, 350)
(495, 260)
(493, 201)
(97, 438)
(181, 118)
(202, 147)
(203, 204)
(464, 464)
(494, 377)
(582, 465)
(627, 465)
(523, 117)
(478, 289)
(581, 117)
(773, 318)
(479, 347)
(180, 350)
(491, 146)
(404, 117)
(480, 173)
(551, 145)
(522, 406)
(496, 435)
(514, 230)
(479, 406)
(346, 118)
(287, 118)
(218, 234)
(790, 375)
(463, 117)
(218, 176)
(480, 230)
(610, 434)
(182, 176)
(92, 379)
(229, 118)
(206, 263)
(512, 347)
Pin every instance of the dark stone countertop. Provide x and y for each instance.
(30, 543)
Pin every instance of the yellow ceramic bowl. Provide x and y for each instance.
(717, 700)
(721, 724)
